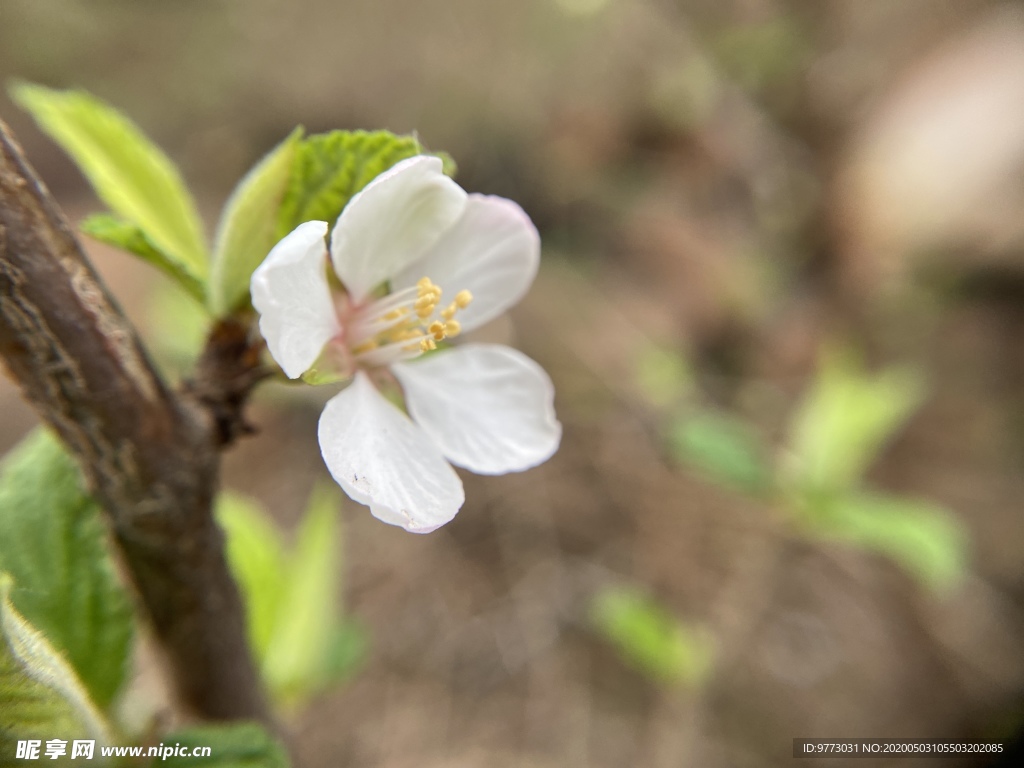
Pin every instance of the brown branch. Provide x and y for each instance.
(150, 457)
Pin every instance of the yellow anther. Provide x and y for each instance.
(427, 345)
(425, 301)
(423, 283)
(452, 328)
(463, 298)
(394, 314)
(437, 330)
(449, 312)
(366, 346)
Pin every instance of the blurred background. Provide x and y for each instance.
(774, 231)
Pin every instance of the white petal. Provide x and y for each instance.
(488, 407)
(380, 458)
(392, 221)
(492, 251)
(290, 291)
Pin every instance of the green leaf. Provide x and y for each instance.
(248, 225)
(53, 543)
(725, 449)
(40, 696)
(292, 596)
(298, 653)
(662, 375)
(650, 638)
(256, 555)
(923, 538)
(332, 167)
(238, 745)
(128, 172)
(122, 234)
(348, 646)
(845, 420)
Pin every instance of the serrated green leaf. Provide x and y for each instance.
(256, 555)
(332, 167)
(129, 173)
(122, 234)
(53, 543)
(40, 696)
(248, 225)
(299, 649)
(923, 538)
(238, 745)
(650, 638)
(845, 420)
(723, 448)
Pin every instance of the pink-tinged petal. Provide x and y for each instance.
(381, 459)
(392, 222)
(290, 291)
(492, 251)
(488, 407)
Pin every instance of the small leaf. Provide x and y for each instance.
(128, 172)
(723, 448)
(650, 638)
(298, 653)
(53, 543)
(346, 652)
(248, 225)
(119, 233)
(662, 375)
(845, 420)
(923, 538)
(40, 696)
(256, 555)
(237, 745)
(332, 167)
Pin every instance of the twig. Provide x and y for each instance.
(150, 457)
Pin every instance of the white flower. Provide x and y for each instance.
(451, 262)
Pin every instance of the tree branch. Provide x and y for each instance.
(150, 457)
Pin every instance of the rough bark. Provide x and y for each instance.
(150, 456)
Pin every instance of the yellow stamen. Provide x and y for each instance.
(453, 328)
(463, 298)
(427, 345)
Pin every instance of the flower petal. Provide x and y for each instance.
(488, 407)
(290, 291)
(380, 458)
(492, 251)
(392, 221)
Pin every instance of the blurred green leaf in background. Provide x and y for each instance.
(292, 595)
(650, 638)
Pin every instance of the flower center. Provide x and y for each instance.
(404, 324)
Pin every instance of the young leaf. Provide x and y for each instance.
(122, 234)
(662, 375)
(299, 650)
(53, 544)
(128, 172)
(845, 420)
(924, 539)
(256, 555)
(650, 638)
(237, 745)
(248, 225)
(40, 696)
(723, 448)
(332, 167)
